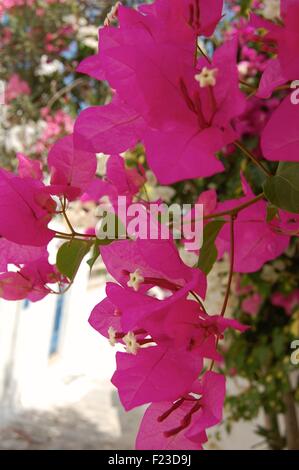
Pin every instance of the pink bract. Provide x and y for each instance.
(280, 138)
(71, 168)
(29, 168)
(255, 240)
(25, 213)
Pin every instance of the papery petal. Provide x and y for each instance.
(272, 77)
(103, 316)
(13, 253)
(154, 374)
(22, 220)
(280, 138)
(110, 129)
(151, 432)
(29, 168)
(69, 166)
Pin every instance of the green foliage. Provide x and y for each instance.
(261, 355)
(95, 254)
(208, 252)
(282, 190)
(70, 256)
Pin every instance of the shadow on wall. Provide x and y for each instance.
(129, 424)
(67, 429)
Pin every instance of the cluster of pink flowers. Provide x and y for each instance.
(56, 42)
(56, 124)
(16, 87)
(166, 342)
(6, 35)
(7, 5)
(286, 301)
(185, 109)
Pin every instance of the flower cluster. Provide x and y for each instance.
(7, 5)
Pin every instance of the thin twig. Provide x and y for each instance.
(231, 268)
(63, 91)
(204, 54)
(199, 301)
(250, 155)
(230, 276)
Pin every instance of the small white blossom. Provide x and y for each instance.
(136, 279)
(131, 343)
(271, 9)
(207, 77)
(102, 160)
(112, 336)
(151, 178)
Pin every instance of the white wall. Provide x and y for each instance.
(28, 376)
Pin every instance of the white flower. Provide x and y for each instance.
(207, 77)
(243, 67)
(136, 279)
(112, 335)
(131, 343)
(271, 9)
(88, 35)
(87, 31)
(165, 193)
(151, 178)
(21, 138)
(49, 68)
(154, 191)
(102, 160)
(91, 43)
(70, 19)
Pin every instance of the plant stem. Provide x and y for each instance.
(73, 233)
(68, 222)
(199, 301)
(291, 421)
(250, 155)
(251, 87)
(236, 210)
(73, 236)
(204, 54)
(274, 439)
(230, 276)
(231, 267)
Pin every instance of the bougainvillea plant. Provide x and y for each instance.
(179, 94)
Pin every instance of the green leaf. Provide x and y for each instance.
(95, 253)
(70, 255)
(282, 190)
(271, 212)
(208, 252)
(278, 343)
